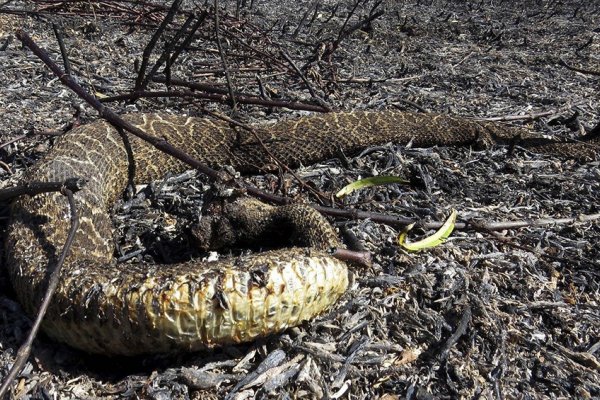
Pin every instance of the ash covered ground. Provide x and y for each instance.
(506, 314)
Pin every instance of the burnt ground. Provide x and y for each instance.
(509, 314)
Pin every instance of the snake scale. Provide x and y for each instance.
(103, 307)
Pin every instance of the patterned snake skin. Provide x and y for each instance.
(103, 307)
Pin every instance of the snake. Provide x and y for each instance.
(104, 307)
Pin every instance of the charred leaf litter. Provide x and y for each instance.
(510, 314)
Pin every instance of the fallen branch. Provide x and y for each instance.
(222, 56)
(320, 196)
(25, 349)
(172, 48)
(502, 225)
(221, 98)
(530, 116)
(142, 79)
(186, 42)
(34, 188)
(373, 15)
(58, 33)
(577, 69)
(301, 75)
(166, 55)
(11, 141)
(162, 145)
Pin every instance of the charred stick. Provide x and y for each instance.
(141, 80)
(502, 225)
(303, 19)
(61, 45)
(21, 137)
(190, 36)
(222, 56)
(577, 69)
(261, 55)
(306, 82)
(164, 57)
(33, 188)
(25, 349)
(410, 103)
(320, 196)
(391, 220)
(373, 15)
(222, 98)
(6, 167)
(342, 34)
(362, 258)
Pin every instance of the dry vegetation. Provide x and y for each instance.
(509, 314)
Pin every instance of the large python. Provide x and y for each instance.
(103, 307)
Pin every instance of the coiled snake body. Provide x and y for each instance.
(103, 307)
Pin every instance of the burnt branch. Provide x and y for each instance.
(61, 44)
(34, 188)
(25, 349)
(318, 195)
(171, 47)
(186, 42)
(577, 69)
(141, 78)
(345, 32)
(221, 98)
(222, 56)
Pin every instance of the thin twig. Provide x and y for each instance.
(530, 116)
(164, 57)
(370, 18)
(222, 98)
(169, 48)
(502, 225)
(342, 34)
(141, 80)
(25, 349)
(222, 56)
(320, 196)
(577, 69)
(301, 75)
(6, 167)
(190, 36)
(63, 50)
(410, 103)
(35, 188)
(11, 141)
(244, 97)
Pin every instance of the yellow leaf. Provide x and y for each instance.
(431, 241)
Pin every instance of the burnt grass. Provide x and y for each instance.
(511, 313)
